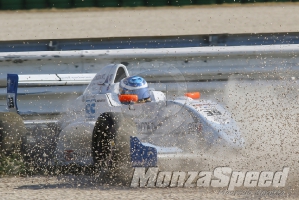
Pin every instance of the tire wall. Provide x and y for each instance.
(12, 128)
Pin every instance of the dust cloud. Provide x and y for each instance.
(267, 112)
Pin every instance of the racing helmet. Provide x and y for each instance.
(135, 85)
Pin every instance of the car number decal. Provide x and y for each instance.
(212, 112)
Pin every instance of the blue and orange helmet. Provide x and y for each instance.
(134, 85)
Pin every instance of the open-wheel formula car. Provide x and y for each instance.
(118, 132)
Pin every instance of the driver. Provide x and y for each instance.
(135, 85)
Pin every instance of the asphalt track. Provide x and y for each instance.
(164, 21)
(269, 129)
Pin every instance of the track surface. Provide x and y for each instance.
(164, 21)
(84, 187)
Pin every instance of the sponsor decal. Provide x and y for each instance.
(90, 108)
(110, 77)
(71, 155)
(108, 87)
(194, 127)
(100, 88)
(10, 102)
(222, 177)
(211, 112)
(101, 100)
(107, 79)
(146, 126)
(204, 105)
(100, 77)
(68, 155)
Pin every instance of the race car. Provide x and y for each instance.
(117, 132)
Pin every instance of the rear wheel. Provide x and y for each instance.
(111, 147)
(38, 145)
(12, 128)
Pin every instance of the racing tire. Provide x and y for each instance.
(38, 145)
(111, 148)
(12, 129)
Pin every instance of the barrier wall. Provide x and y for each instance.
(205, 69)
(42, 4)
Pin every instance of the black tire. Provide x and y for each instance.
(39, 144)
(12, 129)
(111, 147)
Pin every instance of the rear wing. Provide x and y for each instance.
(55, 79)
(15, 80)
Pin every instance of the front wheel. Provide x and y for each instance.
(111, 147)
